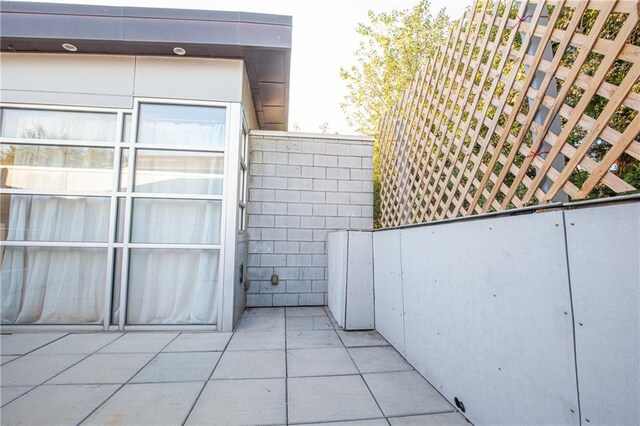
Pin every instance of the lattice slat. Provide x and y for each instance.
(529, 102)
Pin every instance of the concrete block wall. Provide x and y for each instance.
(301, 186)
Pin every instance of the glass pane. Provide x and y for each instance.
(124, 170)
(56, 168)
(182, 125)
(120, 219)
(175, 221)
(61, 125)
(47, 285)
(55, 218)
(126, 128)
(178, 172)
(117, 282)
(172, 286)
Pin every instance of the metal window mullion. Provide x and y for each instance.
(173, 196)
(177, 147)
(177, 246)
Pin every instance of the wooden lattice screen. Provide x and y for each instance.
(530, 102)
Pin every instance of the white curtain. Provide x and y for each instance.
(209, 135)
(54, 285)
(64, 125)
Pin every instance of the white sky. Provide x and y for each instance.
(324, 39)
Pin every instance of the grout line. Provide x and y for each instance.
(197, 398)
(130, 378)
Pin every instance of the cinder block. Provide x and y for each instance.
(338, 149)
(362, 150)
(253, 260)
(288, 171)
(286, 247)
(362, 174)
(299, 235)
(285, 299)
(338, 197)
(262, 195)
(287, 222)
(300, 184)
(299, 260)
(260, 247)
(259, 273)
(319, 286)
(298, 286)
(287, 273)
(311, 273)
(361, 223)
(350, 162)
(255, 157)
(254, 207)
(262, 170)
(255, 182)
(319, 235)
(338, 173)
(271, 182)
(367, 186)
(275, 158)
(349, 186)
(367, 211)
(325, 160)
(274, 234)
(362, 198)
(274, 208)
(287, 196)
(300, 209)
(313, 247)
(313, 172)
(311, 299)
(254, 287)
(267, 287)
(301, 159)
(259, 300)
(273, 260)
(349, 210)
(262, 144)
(367, 162)
(260, 221)
(253, 234)
(320, 260)
(288, 146)
(313, 222)
(314, 147)
(325, 210)
(337, 223)
(315, 197)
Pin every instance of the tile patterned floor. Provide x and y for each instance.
(281, 366)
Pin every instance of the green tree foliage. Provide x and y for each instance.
(394, 47)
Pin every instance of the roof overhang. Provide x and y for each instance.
(262, 41)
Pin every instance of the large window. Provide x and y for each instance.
(104, 209)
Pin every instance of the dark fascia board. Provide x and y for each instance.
(42, 27)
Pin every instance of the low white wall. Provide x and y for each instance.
(486, 310)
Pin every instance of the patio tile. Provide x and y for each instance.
(9, 393)
(309, 323)
(379, 360)
(148, 404)
(406, 393)
(313, 339)
(260, 323)
(446, 419)
(178, 367)
(6, 358)
(319, 362)
(35, 369)
(251, 365)
(22, 343)
(305, 311)
(325, 399)
(264, 312)
(79, 343)
(56, 405)
(199, 342)
(140, 342)
(373, 422)
(353, 339)
(258, 340)
(241, 402)
(103, 369)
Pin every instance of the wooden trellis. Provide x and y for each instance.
(530, 102)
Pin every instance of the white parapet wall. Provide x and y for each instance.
(525, 319)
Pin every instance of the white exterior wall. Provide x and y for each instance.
(488, 310)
